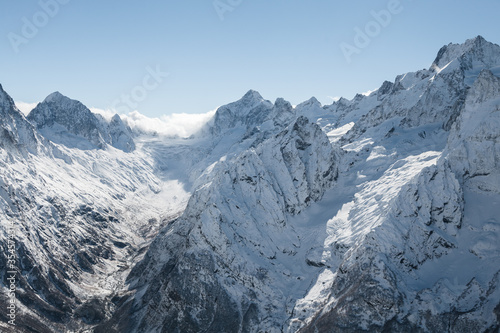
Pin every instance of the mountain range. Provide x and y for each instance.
(376, 214)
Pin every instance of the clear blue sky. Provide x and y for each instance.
(96, 51)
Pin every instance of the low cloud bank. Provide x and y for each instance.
(175, 125)
(25, 108)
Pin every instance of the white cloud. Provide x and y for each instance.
(107, 114)
(177, 124)
(335, 99)
(368, 93)
(25, 108)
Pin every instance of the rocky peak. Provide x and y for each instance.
(6, 101)
(63, 110)
(55, 97)
(66, 121)
(120, 134)
(282, 113)
(60, 119)
(473, 53)
(341, 103)
(311, 108)
(245, 104)
(385, 89)
(313, 101)
(252, 97)
(282, 104)
(249, 111)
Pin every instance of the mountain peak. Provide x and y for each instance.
(252, 96)
(478, 49)
(479, 39)
(55, 96)
(282, 102)
(7, 103)
(4, 97)
(56, 105)
(66, 121)
(247, 102)
(64, 103)
(312, 101)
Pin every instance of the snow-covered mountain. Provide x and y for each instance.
(377, 214)
(70, 123)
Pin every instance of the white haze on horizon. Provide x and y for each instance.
(25, 108)
(174, 125)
